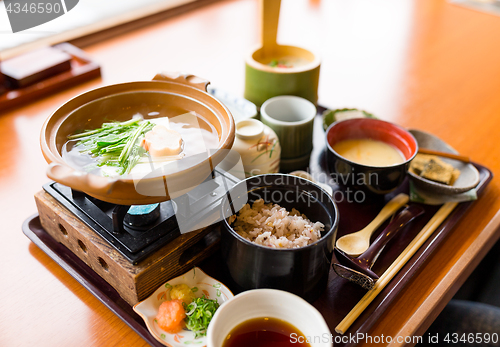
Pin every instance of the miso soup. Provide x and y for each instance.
(369, 152)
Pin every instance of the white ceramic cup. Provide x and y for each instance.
(272, 303)
(292, 119)
(258, 147)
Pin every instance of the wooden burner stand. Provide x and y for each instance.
(133, 282)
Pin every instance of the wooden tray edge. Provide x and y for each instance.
(109, 297)
(86, 277)
(388, 294)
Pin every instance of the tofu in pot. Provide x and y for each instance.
(162, 142)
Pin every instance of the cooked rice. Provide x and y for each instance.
(273, 226)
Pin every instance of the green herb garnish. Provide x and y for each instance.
(199, 313)
(273, 63)
(115, 144)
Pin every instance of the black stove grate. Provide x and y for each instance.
(134, 243)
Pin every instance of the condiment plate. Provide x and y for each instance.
(469, 175)
(239, 107)
(148, 309)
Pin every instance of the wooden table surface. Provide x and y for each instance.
(424, 64)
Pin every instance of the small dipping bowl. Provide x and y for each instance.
(272, 304)
(302, 271)
(370, 179)
(469, 176)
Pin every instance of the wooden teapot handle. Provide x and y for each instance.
(78, 180)
(190, 80)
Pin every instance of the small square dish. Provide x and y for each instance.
(240, 108)
(469, 176)
(195, 278)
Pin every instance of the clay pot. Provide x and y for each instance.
(166, 95)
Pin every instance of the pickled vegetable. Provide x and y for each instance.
(171, 316)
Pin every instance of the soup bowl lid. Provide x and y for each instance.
(183, 93)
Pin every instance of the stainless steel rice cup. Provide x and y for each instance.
(302, 271)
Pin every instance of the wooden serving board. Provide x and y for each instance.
(87, 277)
(133, 282)
(82, 69)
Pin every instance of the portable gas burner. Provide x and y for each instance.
(135, 248)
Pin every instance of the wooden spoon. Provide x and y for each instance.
(356, 243)
(270, 14)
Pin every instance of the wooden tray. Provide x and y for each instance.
(341, 295)
(82, 69)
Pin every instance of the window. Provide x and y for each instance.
(87, 17)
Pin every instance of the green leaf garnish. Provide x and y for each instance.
(332, 116)
(115, 144)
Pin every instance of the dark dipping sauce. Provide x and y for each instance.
(265, 332)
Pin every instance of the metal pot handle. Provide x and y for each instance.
(79, 180)
(190, 80)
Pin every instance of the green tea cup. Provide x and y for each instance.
(292, 119)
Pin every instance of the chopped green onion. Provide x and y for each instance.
(115, 144)
(131, 141)
(199, 313)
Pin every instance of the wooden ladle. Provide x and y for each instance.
(270, 12)
(356, 243)
(264, 80)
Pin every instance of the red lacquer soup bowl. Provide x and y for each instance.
(369, 178)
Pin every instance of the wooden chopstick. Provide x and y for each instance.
(386, 277)
(444, 154)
